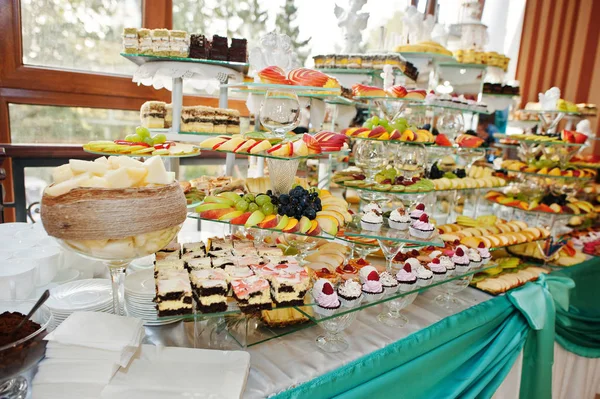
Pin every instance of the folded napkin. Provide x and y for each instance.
(52, 371)
(67, 391)
(98, 331)
(165, 372)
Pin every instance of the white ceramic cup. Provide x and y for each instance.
(17, 278)
(47, 259)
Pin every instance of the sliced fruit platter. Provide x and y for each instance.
(546, 168)
(509, 274)
(550, 203)
(490, 232)
(311, 212)
(567, 137)
(398, 92)
(142, 144)
(585, 161)
(292, 147)
(467, 183)
(387, 181)
(566, 256)
(303, 80)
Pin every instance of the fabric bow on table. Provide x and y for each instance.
(536, 301)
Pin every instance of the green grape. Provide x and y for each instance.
(241, 205)
(133, 138)
(142, 132)
(159, 138)
(249, 197)
(368, 124)
(268, 209)
(375, 120)
(262, 199)
(384, 122)
(148, 140)
(252, 207)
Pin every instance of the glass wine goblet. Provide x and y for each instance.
(280, 111)
(302, 243)
(447, 299)
(450, 123)
(333, 340)
(371, 156)
(364, 250)
(411, 160)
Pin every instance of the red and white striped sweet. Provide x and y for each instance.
(307, 77)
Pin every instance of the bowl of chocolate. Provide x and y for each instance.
(22, 349)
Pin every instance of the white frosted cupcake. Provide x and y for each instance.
(438, 270)
(448, 264)
(326, 298)
(407, 281)
(372, 207)
(399, 220)
(461, 260)
(484, 253)
(371, 284)
(422, 228)
(371, 221)
(475, 258)
(424, 276)
(350, 293)
(389, 282)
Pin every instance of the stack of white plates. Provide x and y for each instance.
(92, 295)
(139, 295)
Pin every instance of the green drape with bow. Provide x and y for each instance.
(578, 326)
(467, 355)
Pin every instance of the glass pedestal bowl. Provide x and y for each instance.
(115, 226)
(333, 340)
(18, 357)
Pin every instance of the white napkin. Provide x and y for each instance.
(55, 350)
(66, 391)
(52, 371)
(163, 372)
(104, 331)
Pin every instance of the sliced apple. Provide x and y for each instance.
(210, 206)
(261, 146)
(231, 215)
(282, 223)
(304, 224)
(231, 145)
(216, 213)
(292, 226)
(244, 147)
(269, 222)
(219, 200)
(314, 228)
(328, 224)
(210, 143)
(229, 195)
(242, 219)
(338, 216)
(254, 219)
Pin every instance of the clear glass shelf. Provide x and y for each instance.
(370, 189)
(388, 234)
(108, 154)
(389, 98)
(469, 189)
(263, 87)
(554, 111)
(140, 59)
(308, 308)
(548, 141)
(462, 65)
(398, 141)
(431, 56)
(325, 236)
(296, 158)
(473, 111)
(356, 71)
(546, 176)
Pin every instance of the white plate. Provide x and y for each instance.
(80, 295)
(140, 283)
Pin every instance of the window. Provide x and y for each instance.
(78, 34)
(49, 124)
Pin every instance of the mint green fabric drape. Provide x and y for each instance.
(578, 328)
(467, 355)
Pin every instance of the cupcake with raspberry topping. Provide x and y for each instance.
(417, 212)
(371, 284)
(422, 228)
(484, 253)
(438, 270)
(326, 298)
(407, 281)
(461, 260)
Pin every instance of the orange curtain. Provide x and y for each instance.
(560, 46)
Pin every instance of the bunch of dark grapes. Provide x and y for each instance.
(550, 199)
(299, 202)
(435, 172)
(460, 173)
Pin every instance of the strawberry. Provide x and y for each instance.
(420, 207)
(460, 252)
(327, 289)
(424, 218)
(436, 261)
(414, 253)
(324, 270)
(407, 267)
(456, 242)
(373, 276)
(362, 262)
(481, 245)
(348, 268)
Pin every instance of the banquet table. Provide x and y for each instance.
(280, 365)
